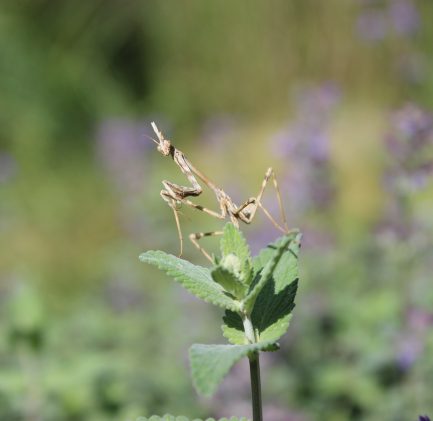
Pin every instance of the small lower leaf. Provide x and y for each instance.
(272, 347)
(233, 328)
(233, 335)
(228, 281)
(233, 242)
(210, 363)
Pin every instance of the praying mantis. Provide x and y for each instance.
(176, 195)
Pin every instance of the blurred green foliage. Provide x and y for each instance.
(78, 311)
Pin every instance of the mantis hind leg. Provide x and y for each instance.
(197, 236)
(256, 202)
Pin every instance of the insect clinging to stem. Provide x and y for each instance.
(175, 196)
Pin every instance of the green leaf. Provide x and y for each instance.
(270, 316)
(228, 281)
(233, 242)
(166, 417)
(287, 268)
(196, 279)
(272, 312)
(233, 328)
(210, 363)
(265, 275)
(181, 418)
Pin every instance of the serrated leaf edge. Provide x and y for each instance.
(148, 256)
(225, 331)
(249, 348)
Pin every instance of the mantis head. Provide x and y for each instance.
(164, 145)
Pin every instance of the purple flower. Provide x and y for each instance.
(409, 143)
(410, 146)
(409, 351)
(283, 142)
(308, 135)
(306, 142)
(404, 17)
(411, 66)
(376, 23)
(420, 320)
(121, 145)
(216, 130)
(371, 25)
(412, 122)
(8, 167)
(423, 418)
(412, 342)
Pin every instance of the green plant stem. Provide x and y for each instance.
(256, 392)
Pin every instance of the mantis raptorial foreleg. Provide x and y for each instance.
(175, 196)
(173, 203)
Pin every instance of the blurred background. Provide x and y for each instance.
(335, 95)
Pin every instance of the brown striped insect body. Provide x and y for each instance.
(176, 195)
